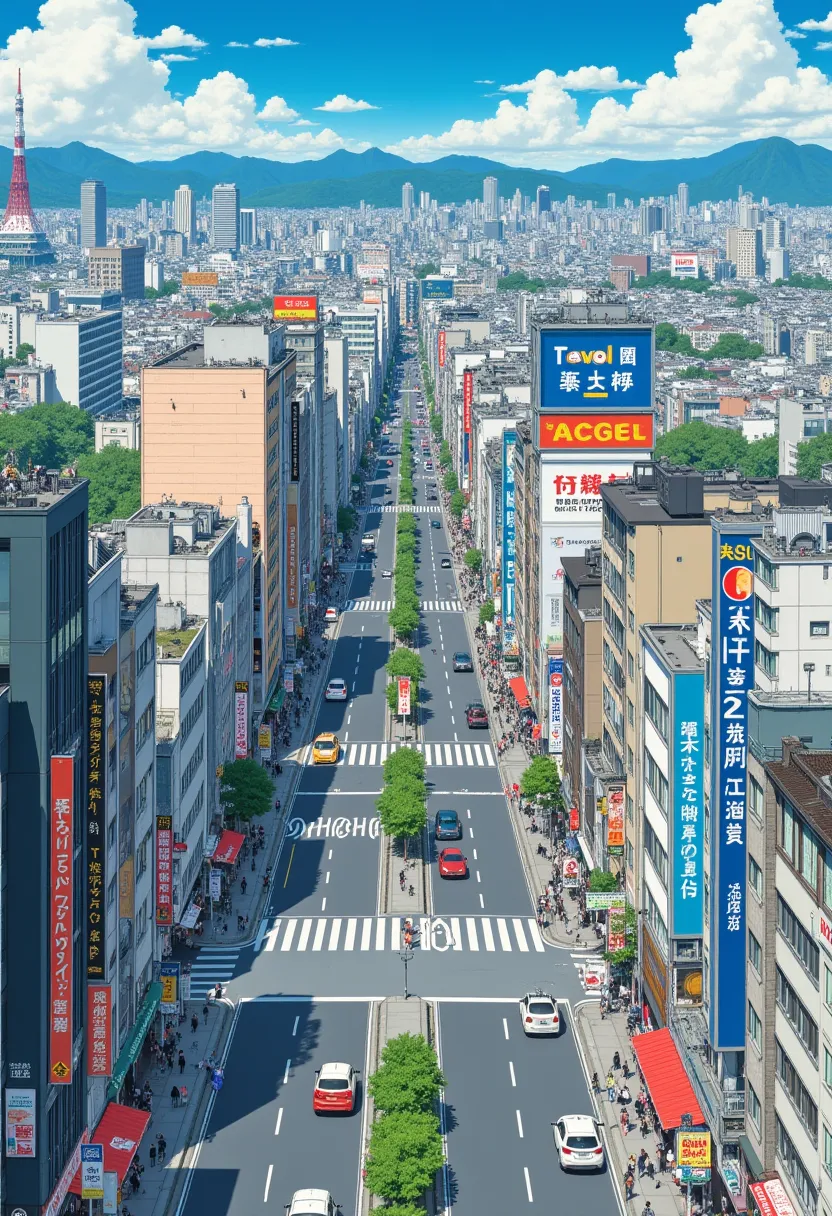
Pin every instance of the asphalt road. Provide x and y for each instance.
(323, 952)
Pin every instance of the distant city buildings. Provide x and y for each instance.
(491, 198)
(184, 212)
(118, 269)
(93, 215)
(225, 217)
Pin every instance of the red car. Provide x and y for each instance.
(334, 1091)
(452, 864)
(476, 716)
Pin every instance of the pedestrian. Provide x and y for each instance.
(642, 1161)
(610, 1087)
(616, 1062)
(181, 1061)
(194, 1023)
(629, 1185)
(243, 887)
(625, 1121)
(625, 1094)
(596, 1084)
(163, 1147)
(205, 1013)
(152, 1155)
(174, 1096)
(647, 1210)
(660, 1151)
(670, 1159)
(650, 1171)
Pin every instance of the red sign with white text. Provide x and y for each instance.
(441, 344)
(296, 308)
(61, 828)
(164, 869)
(404, 696)
(467, 400)
(592, 432)
(99, 1030)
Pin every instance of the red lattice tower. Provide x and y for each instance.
(19, 215)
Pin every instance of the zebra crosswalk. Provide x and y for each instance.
(440, 755)
(422, 509)
(365, 934)
(368, 606)
(213, 965)
(441, 606)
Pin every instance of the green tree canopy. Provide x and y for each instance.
(401, 808)
(404, 662)
(436, 426)
(403, 620)
(487, 612)
(473, 560)
(761, 458)
(701, 445)
(406, 522)
(346, 520)
(738, 298)
(52, 435)
(733, 346)
(450, 482)
(23, 351)
(669, 338)
(422, 272)
(457, 504)
(409, 1077)
(518, 280)
(813, 282)
(602, 880)
(663, 278)
(541, 780)
(404, 1155)
(626, 956)
(402, 764)
(445, 456)
(812, 454)
(115, 475)
(246, 790)
(695, 372)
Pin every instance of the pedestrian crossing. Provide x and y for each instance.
(368, 934)
(422, 509)
(441, 606)
(369, 605)
(439, 755)
(213, 965)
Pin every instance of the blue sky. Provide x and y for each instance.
(153, 79)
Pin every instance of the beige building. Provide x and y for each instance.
(118, 269)
(212, 419)
(744, 247)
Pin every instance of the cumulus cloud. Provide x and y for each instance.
(739, 78)
(305, 122)
(276, 110)
(275, 42)
(245, 44)
(122, 100)
(173, 36)
(485, 82)
(793, 34)
(174, 57)
(823, 46)
(599, 80)
(825, 24)
(341, 104)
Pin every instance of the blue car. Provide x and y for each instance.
(446, 826)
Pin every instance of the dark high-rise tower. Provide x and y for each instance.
(22, 239)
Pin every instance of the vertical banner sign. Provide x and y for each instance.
(733, 652)
(99, 1030)
(555, 705)
(574, 819)
(92, 1171)
(96, 824)
(441, 346)
(292, 551)
(241, 719)
(688, 804)
(169, 975)
(615, 820)
(507, 573)
(60, 929)
(404, 695)
(294, 456)
(467, 403)
(21, 1113)
(264, 739)
(164, 869)
(617, 926)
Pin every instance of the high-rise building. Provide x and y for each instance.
(225, 216)
(651, 218)
(778, 263)
(93, 215)
(248, 226)
(611, 200)
(22, 239)
(424, 200)
(120, 269)
(544, 199)
(86, 353)
(682, 198)
(491, 198)
(184, 212)
(774, 233)
(407, 201)
(818, 344)
(744, 247)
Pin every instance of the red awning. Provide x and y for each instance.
(667, 1082)
(771, 1198)
(120, 1131)
(228, 847)
(521, 692)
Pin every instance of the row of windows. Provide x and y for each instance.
(653, 849)
(192, 665)
(146, 652)
(656, 709)
(193, 715)
(192, 767)
(612, 712)
(612, 667)
(655, 919)
(794, 1167)
(145, 723)
(614, 580)
(656, 780)
(615, 530)
(804, 851)
(799, 940)
(797, 1091)
(614, 623)
(797, 1015)
(194, 813)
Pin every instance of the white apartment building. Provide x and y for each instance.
(86, 353)
(184, 212)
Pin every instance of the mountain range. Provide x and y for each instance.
(775, 168)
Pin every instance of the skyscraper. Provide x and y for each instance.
(611, 201)
(774, 233)
(744, 247)
(22, 240)
(682, 198)
(225, 216)
(93, 215)
(248, 226)
(544, 199)
(184, 212)
(491, 197)
(407, 201)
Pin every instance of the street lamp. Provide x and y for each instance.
(809, 668)
(406, 955)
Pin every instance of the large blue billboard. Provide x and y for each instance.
(587, 366)
(437, 289)
(687, 863)
(509, 533)
(732, 660)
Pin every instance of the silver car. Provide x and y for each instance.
(539, 1013)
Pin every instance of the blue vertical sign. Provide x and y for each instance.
(509, 440)
(555, 705)
(688, 804)
(733, 661)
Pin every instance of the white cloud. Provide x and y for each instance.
(485, 82)
(823, 46)
(305, 122)
(173, 36)
(174, 57)
(275, 42)
(122, 99)
(739, 78)
(825, 25)
(791, 34)
(245, 44)
(276, 110)
(600, 80)
(341, 104)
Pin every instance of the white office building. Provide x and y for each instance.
(184, 212)
(225, 217)
(86, 353)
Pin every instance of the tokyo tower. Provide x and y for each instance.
(22, 239)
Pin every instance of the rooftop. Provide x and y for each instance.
(675, 644)
(38, 488)
(172, 643)
(638, 506)
(805, 777)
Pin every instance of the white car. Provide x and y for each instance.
(578, 1143)
(539, 1013)
(336, 690)
(387, 574)
(311, 1202)
(331, 614)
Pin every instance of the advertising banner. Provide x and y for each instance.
(694, 1149)
(96, 825)
(684, 266)
(200, 278)
(215, 884)
(467, 400)
(61, 1189)
(99, 1030)
(507, 572)
(437, 289)
(617, 927)
(92, 1171)
(688, 804)
(591, 432)
(404, 695)
(588, 364)
(127, 889)
(21, 1114)
(264, 739)
(169, 975)
(733, 652)
(570, 492)
(555, 705)
(164, 869)
(615, 820)
(292, 574)
(771, 1198)
(61, 900)
(599, 901)
(294, 441)
(571, 872)
(296, 308)
(441, 347)
(241, 719)
(574, 819)
(558, 541)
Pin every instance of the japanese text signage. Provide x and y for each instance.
(169, 975)
(164, 869)
(404, 696)
(292, 552)
(615, 820)
(555, 705)
(294, 422)
(467, 402)
(92, 1171)
(442, 342)
(733, 661)
(21, 1113)
(241, 719)
(587, 432)
(771, 1198)
(617, 926)
(688, 804)
(437, 289)
(693, 1149)
(60, 926)
(296, 308)
(99, 1030)
(508, 542)
(571, 492)
(96, 824)
(588, 365)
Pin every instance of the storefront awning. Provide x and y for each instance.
(276, 703)
(667, 1082)
(589, 860)
(771, 1198)
(120, 1131)
(228, 847)
(521, 692)
(134, 1043)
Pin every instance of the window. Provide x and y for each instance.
(755, 953)
(827, 880)
(192, 767)
(630, 855)
(631, 666)
(827, 1137)
(787, 831)
(192, 716)
(827, 1067)
(818, 629)
(789, 1078)
(631, 712)
(630, 761)
(614, 529)
(145, 652)
(755, 877)
(656, 709)
(797, 1015)
(191, 665)
(809, 857)
(799, 940)
(142, 855)
(656, 780)
(111, 893)
(756, 798)
(613, 580)
(765, 570)
(766, 615)
(631, 563)
(630, 808)
(794, 1167)
(655, 919)
(653, 849)
(753, 1105)
(612, 712)
(144, 726)
(827, 996)
(631, 620)
(614, 624)
(755, 1028)
(766, 659)
(611, 665)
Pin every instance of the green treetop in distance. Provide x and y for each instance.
(115, 475)
(245, 790)
(812, 454)
(404, 1155)
(409, 1077)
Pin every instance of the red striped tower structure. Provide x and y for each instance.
(22, 239)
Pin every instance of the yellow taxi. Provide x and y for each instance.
(326, 749)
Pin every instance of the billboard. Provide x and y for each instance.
(164, 869)
(615, 820)
(200, 278)
(508, 541)
(21, 1116)
(99, 1030)
(296, 308)
(404, 696)
(292, 550)
(294, 448)
(240, 720)
(441, 343)
(581, 364)
(571, 492)
(684, 265)
(467, 402)
(564, 540)
(61, 831)
(96, 832)
(733, 660)
(555, 705)
(437, 289)
(688, 804)
(588, 432)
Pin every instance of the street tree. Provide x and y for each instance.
(246, 790)
(403, 763)
(406, 522)
(457, 504)
(346, 520)
(436, 426)
(450, 482)
(404, 662)
(401, 809)
(541, 780)
(409, 1077)
(403, 620)
(762, 458)
(812, 454)
(624, 919)
(703, 446)
(404, 1155)
(602, 880)
(52, 435)
(473, 560)
(115, 475)
(487, 612)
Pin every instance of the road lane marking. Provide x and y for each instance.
(320, 930)
(534, 934)
(475, 855)
(468, 811)
(349, 940)
(505, 940)
(335, 933)
(323, 904)
(289, 867)
(268, 1184)
(520, 935)
(306, 929)
(295, 1027)
(366, 930)
(482, 901)
(286, 1071)
(380, 934)
(326, 881)
(473, 941)
(286, 944)
(528, 1184)
(510, 1065)
(261, 933)
(505, 1027)
(457, 933)
(519, 1124)
(279, 1121)
(487, 934)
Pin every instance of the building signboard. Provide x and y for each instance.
(200, 278)
(169, 976)
(294, 468)
(684, 266)
(96, 825)
(241, 719)
(99, 1030)
(555, 705)
(21, 1117)
(296, 308)
(595, 432)
(441, 343)
(164, 869)
(507, 572)
(693, 1148)
(571, 491)
(688, 804)
(584, 365)
(615, 820)
(61, 903)
(92, 1171)
(437, 289)
(404, 696)
(292, 555)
